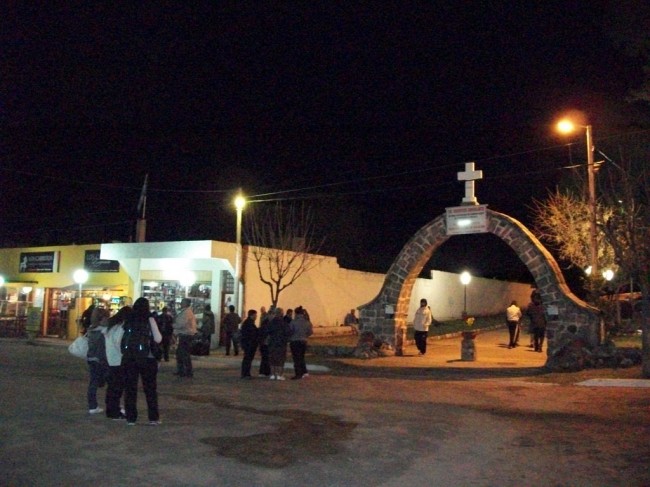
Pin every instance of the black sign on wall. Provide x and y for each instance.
(92, 263)
(39, 262)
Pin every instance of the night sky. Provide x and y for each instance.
(364, 111)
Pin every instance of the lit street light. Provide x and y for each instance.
(240, 203)
(567, 126)
(187, 280)
(465, 279)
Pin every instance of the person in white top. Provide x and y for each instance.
(421, 323)
(513, 316)
(115, 382)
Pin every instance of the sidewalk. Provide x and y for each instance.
(491, 351)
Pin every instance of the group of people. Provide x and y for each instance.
(121, 350)
(128, 346)
(276, 330)
(537, 322)
(535, 312)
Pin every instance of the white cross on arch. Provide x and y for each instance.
(469, 175)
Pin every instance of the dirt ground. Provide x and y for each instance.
(407, 421)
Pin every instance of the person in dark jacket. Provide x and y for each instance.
(288, 316)
(537, 316)
(231, 323)
(208, 326)
(86, 318)
(96, 357)
(279, 333)
(249, 340)
(136, 366)
(265, 321)
(301, 330)
(166, 321)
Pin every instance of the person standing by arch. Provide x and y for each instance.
(421, 323)
(513, 316)
(537, 316)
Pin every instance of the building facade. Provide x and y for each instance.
(40, 292)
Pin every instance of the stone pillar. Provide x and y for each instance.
(400, 340)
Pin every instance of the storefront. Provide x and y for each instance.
(39, 295)
(167, 272)
(15, 303)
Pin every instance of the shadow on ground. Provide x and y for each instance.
(289, 440)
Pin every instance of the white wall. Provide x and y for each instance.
(329, 292)
(445, 295)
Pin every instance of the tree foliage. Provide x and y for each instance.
(283, 244)
(563, 221)
(623, 224)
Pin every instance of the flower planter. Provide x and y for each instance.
(470, 334)
(467, 346)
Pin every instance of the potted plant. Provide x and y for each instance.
(469, 321)
(467, 346)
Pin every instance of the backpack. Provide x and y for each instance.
(137, 342)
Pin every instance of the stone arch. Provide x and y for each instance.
(386, 315)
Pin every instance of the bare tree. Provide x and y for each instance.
(283, 243)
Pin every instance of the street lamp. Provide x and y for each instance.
(566, 126)
(80, 276)
(240, 203)
(187, 280)
(465, 279)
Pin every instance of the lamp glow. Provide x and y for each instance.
(240, 202)
(465, 278)
(565, 126)
(80, 276)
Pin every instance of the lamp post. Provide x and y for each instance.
(465, 279)
(566, 126)
(240, 203)
(80, 276)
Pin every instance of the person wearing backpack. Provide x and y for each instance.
(96, 358)
(140, 339)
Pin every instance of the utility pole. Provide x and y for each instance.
(593, 239)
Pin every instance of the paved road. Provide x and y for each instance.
(402, 421)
